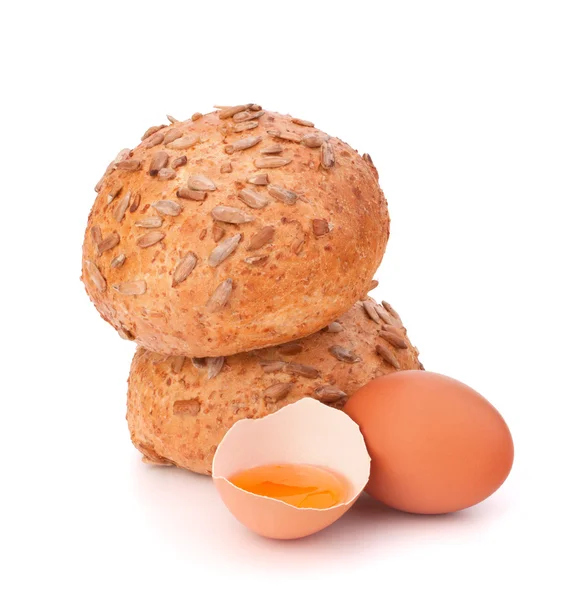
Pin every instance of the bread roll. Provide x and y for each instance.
(179, 409)
(236, 230)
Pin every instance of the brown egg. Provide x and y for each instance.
(436, 445)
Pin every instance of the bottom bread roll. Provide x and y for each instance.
(179, 409)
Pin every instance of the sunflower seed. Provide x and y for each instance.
(131, 288)
(245, 115)
(368, 160)
(272, 366)
(327, 155)
(172, 119)
(252, 198)
(302, 122)
(245, 126)
(176, 363)
(154, 140)
(290, 349)
(383, 314)
(118, 261)
(187, 194)
(395, 340)
(273, 149)
(303, 370)
(150, 222)
(242, 144)
(220, 296)
(226, 167)
(259, 179)
(96, 276)
(334, 327)
(122, 206)
(121, 155)
(215, 365)
(320, 227)
(184, 142)
(271, 162)
(159, 161)
(329, 393)
(229, 111)
(164, 174)
(178, 162)
(157, 461)
(186, 407)
(387, 356)
(96, 235)
(257, 261)
(369, 308)
(124, 334)
(131, 164)
(150, 238)
(115, 190)
(255, 107)
(184, 268)
(262, 237)
(107, 243)
(229, 214)
(387, 327)
(167, 207)
(201, 183)
(99, 185)
(218, 233)
(344, 354)
(297, 245)
(199, 363)
(135, 202)
(171, 135)
(290, 136)
(277, 391)
(202, 234)
(152, 130)
(279, 193)
(196, 116)
(314, 140)
(224, 250)
(391, 310)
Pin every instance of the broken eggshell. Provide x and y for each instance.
(306, 432)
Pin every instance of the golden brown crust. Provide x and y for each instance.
(314, 258)
(177, 415)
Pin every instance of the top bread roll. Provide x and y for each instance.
(232, 231)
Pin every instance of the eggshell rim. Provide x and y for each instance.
(249, 422)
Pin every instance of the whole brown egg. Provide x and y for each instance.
(436, 445)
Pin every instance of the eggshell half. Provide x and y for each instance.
(306, 432)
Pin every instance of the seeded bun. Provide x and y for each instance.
(179, 409)
(232, 231)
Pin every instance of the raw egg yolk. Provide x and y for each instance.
(302, 486)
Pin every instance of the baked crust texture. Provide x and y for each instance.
(209, 239)
(179, 409)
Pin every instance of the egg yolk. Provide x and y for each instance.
(303, 486)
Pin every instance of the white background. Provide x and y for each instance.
(473, 114)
